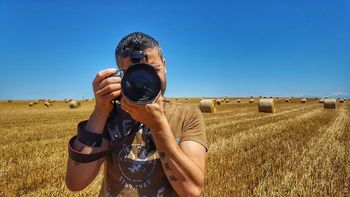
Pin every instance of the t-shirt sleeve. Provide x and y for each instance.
(194, 128)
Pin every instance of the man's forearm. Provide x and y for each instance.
(79, 175)
(97, 122)
(186, 178)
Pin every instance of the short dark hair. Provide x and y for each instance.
(136, 41)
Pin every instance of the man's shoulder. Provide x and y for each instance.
(181, 108)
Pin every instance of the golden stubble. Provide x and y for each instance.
(301, 150)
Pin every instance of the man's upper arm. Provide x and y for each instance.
(194, 127)
(195, 151)
(193, 142)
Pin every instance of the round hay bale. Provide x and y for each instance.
(321, 101)
(267, 105)
(86, 99)
(239, 101)
(218, 102)
(251, 100)
(207, 105)
(47, 104)
(287, 100)
(330, 104)
(31, 104)
(36, 102)
(303, 100)
(341, 100)
(227, 100)
(74, 104)
(66, 100)
(10, 101)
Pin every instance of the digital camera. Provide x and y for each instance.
(140, 82)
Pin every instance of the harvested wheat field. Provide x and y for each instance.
(300, 150)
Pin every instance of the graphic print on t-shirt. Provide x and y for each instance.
(135, 169)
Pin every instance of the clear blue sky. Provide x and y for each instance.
(53, 49)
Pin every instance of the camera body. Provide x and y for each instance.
(140, 82)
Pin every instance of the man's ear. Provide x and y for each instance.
(164, 63)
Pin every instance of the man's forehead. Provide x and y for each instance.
(154, 51)
(152, 56)
(151, 50)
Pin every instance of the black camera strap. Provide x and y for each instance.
(120, 124)
(88, 138)
(117, 132)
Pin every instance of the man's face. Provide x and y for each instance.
(154, 60)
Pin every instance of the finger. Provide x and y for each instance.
(130, 105)
(111, 96)
(109, 80)
(108, 89)
(160, 99)
(104, 73)
(123, 104)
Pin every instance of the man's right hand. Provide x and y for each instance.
(106, 88)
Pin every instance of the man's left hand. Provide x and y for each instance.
(151, 114)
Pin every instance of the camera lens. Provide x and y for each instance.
(141, 84)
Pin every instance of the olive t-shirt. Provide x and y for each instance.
(133, 168)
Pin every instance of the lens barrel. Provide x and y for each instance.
(141, 84)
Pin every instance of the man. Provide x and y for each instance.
(156, 149)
